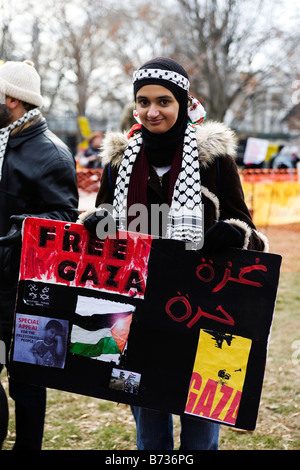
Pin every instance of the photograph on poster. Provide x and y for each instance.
(40, 340)
(100, 328)
(125, 381)
(218, 376)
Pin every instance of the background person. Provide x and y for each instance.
(168, 160)
(89, 157)
(37, 179)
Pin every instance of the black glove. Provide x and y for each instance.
(14, 234)
(104, 229)
(223, 235)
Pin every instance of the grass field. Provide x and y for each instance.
(83, 423)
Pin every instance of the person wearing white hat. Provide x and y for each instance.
(21, 80)
(37, 179)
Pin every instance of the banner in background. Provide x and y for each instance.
(84, 127)
(255, 151)
(273, 203)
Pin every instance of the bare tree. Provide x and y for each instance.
(7, 44)
(86, 50)
(219, 42)
(81, 31)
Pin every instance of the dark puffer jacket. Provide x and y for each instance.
(38, 180)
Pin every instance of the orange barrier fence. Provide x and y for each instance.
(268, 175)
(89, 179)
(273, 196)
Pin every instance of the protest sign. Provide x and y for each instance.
(255, 151)
(143, 321)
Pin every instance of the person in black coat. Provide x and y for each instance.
(172, 158)
(37, 179)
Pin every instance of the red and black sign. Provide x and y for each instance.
(142, 321)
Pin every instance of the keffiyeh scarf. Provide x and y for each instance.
(185, 218)
(5, 133)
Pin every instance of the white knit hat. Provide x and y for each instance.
(20, 80)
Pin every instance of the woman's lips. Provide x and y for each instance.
(155, 122)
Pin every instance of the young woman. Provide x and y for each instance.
(171, 158)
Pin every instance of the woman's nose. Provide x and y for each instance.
(153, 111)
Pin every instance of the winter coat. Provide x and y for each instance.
(222, 193)
(38, 180)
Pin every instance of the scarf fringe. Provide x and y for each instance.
(185, 220)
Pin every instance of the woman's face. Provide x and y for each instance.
(157, 108)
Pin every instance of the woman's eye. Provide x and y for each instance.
(143, 102)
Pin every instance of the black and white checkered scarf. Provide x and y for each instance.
(185, 219)
(5, 133)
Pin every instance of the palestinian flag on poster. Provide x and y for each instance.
(100, 328)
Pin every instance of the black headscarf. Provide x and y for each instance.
(161, 148)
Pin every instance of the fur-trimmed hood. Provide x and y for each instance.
(213, 139)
